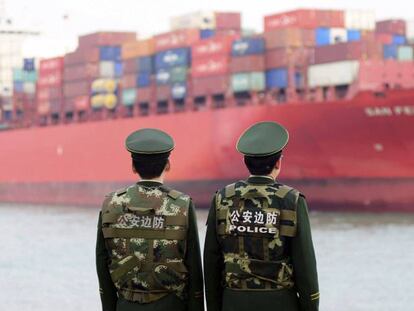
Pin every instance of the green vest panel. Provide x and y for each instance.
(145, 233)
(254, 223)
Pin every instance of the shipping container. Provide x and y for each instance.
(172, 58)
(129, 81)
(337, 35)
(162, 76)
(253, 81)
(348, 51)
(210, 85)
(248, 46)
(18, 86)
(305, 18)
(81, 72)
(118, 69)
(322, 36)
(410, 31)
(77, 88)
(176, 39)
(51, 65)
(277, 78)
(146, 94)
(282, 57)
(145, 64)
(247, 63)
(134, 49)
(212, 47)
(207, 33)
(398, 39)
(390, 51)
(353, 35)
(29, 87)
(289, 37)
(206, 20)
(105, 38)
(331, 74)
(29, 76)
(110, 53)
(179, 90)
(162, 92)
(51, 79)
(178, 74)
(129, 96)
(17, 74)
(107, 69)
(383, 38)
(211, 66)
(80, 57)
(143, 79)
(28, 64)
(391, 26)
(228, 20)
(405, 53)
(359, 19)
(129, 66)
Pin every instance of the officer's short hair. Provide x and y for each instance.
(262, 165)
(150, 166)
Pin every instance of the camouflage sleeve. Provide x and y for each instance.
(304, 262)
(193, 263)
(107, 289)
(213, 263)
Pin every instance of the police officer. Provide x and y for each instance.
(258, 252)
(147, 251)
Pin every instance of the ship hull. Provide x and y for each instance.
(354, 154)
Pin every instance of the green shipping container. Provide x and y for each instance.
(29, 76)
(405, 53)
(129, 96)
(178, 74)
(17, 74)
(253, 81)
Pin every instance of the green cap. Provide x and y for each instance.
(263, 139)
(149, 141)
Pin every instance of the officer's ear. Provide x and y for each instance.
(278, 164)
(167, 166)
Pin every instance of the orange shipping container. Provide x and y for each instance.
(138, 48)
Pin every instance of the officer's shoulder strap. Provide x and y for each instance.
(230, 190)
(121, 191)
(172, 193)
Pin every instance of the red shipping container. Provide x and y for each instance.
(305, 19)
(43, 108)
(391, 26)
(106, 38)
(249, 63)
(282, 57)
(176, 39)
(146, 94)
(235, 33)
(358, 50)
(51, 65)
(289, 37)
(81, 103)
(129, 66)
(162, 92)
(49, 93)
(81, 72)
(129, 81)
(384, 38)
(210, 85)
(217, 65)
(212, 47)
(50, 79)
(228, 20)
(81, 56)
(77, 88)
(42, 94)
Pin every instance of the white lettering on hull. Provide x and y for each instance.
(390, 111)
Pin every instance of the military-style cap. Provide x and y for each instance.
(149, 141)
(263, 139)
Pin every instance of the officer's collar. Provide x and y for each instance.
(149, 183)
(260, 179)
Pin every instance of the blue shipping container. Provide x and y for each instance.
(298, 80)
(179, 91)
(322, 36)
(145, 64)
(277, 78)
(143, 79)
(118, 69)
(28, 64)
(398, 39)
(248, 46)
(207, 33)
(390, 51)
(18, 86)
(353, 35)
(162, 77)
(110, 53)
(172, 58)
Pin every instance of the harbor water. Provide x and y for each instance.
(47, 260)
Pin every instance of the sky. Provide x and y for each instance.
(60, 22)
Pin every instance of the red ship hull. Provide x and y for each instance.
(356, 154)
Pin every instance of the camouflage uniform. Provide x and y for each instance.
(148, 251)
(259, 250)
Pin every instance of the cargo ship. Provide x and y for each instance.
(341, 82)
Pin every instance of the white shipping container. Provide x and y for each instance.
(359, 19)
(200, 20)
(410, 30)
(107, 69)
(405, 53)
(337, 73)
(29, 87)
(337, 35)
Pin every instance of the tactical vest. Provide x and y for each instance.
(254, 224)
(145, 233)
